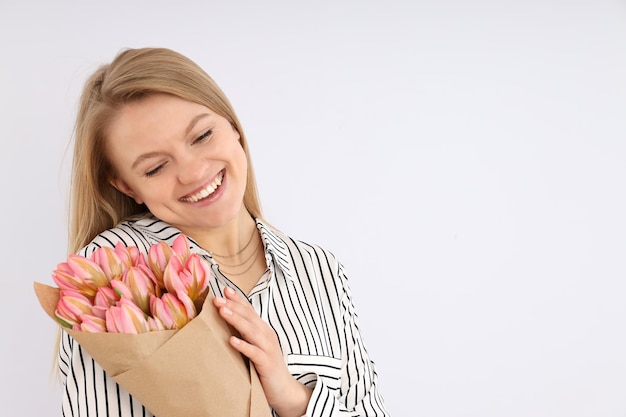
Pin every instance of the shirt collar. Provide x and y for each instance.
(276, 249)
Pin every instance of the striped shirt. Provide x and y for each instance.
(305, 298)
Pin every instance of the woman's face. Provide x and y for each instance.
(180, 159)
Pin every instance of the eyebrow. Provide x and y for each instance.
(189, 128)
(195, 120)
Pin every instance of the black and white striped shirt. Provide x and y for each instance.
(305, 298)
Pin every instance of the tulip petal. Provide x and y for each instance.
(65, 279)
(172, 275)
(121, 289)
(171, 311)
(87, 270)
(92, 324)
(105, 298)
(109, 262)
(181, 247)
(70, 307)
(154, 324)
(141, 287)
(126, 317)
(159, 255)
(200, 274)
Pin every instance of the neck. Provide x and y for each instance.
(237, 248)
(227, 239)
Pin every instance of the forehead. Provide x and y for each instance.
(160, 112)
(152, 124)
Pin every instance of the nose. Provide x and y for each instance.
(190, 168)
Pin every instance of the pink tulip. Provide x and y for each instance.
(70, 307)
(109, 261)
(126, 317)
(155, 324)
(136, 258)
(190, 306)
(181, 247)
(121, 289)
(201, 273)
(79, 274)
(177, 280)
(105, 298)
(87, 270)
(65, 279)
(141, 283)
(170, 311)
(129, 255)
(159, 255)
(191, 278)
(172, 278)
(122, 252)
(92, 324)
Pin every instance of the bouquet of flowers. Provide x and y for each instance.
(147, 322)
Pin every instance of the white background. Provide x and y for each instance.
(464, 160)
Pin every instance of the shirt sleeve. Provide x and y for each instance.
(86, 388)
(358, 394)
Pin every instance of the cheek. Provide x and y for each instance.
(136, 193)
(243, 163)
(152, 191)
(241, 153)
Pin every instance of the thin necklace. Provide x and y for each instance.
(245, 261)
(256, 250)
(235, 254)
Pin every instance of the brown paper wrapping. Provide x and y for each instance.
(191, 372)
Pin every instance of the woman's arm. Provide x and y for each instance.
(358, 393)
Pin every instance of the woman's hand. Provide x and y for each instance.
(259, 343)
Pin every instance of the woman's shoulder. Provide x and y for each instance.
(295, 249)
(140, 231)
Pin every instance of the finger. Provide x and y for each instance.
(238, 304)
(245, 320)
(230, 307)
(235, 297)
(254, 332)
(247, 349)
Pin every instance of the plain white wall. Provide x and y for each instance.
(465, 161)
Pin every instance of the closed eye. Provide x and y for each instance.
(203, 137)
(154, 171)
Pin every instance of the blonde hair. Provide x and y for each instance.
(134, 74)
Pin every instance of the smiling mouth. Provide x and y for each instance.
(207, 191)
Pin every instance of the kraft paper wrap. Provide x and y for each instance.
(191, 372)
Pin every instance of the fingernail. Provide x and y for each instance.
(227, 311)
(236, 340)
(220, 300)
(229, 291)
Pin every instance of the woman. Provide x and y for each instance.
(159, 152)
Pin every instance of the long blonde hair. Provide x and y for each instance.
(134, 74)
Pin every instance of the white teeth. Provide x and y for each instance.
(207, 191)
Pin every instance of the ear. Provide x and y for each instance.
(122, 187)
